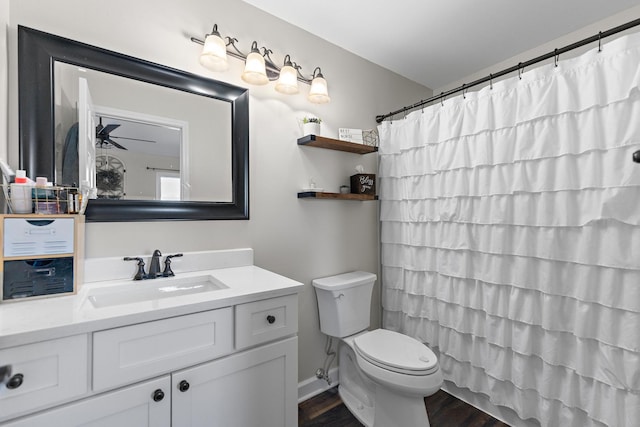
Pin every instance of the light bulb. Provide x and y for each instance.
(255, 72)
(288, 79)
(214, 52)
(318, 93)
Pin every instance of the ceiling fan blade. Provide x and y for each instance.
(115, 144)
(133, 139)
(110, 128)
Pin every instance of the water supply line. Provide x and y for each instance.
(323, 373)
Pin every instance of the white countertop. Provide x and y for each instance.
(23, 322)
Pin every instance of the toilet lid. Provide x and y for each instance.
(396, 352)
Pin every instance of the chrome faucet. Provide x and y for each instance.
(154, 267)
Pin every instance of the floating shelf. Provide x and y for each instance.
(335, 144)
(336, 196)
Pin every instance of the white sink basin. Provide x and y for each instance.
(150, 290)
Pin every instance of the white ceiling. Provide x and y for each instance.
(437, 42)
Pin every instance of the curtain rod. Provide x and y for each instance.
(554, 54)
(162, 169)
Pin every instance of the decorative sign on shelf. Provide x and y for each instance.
(363, 183)
(350, 135)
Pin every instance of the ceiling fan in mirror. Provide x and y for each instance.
(105, 140)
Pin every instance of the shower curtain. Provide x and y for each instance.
(510, 238)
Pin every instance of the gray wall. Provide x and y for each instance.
(301, 239)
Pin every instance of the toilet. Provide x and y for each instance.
(384, 375)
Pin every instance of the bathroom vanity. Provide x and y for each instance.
(215, 345)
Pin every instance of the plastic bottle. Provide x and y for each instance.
(20, 193)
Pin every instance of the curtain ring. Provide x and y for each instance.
(442, 98)
(464, 96)
(422, 102)
(600, 41)
(491, 81)
(556, 56)
(520, 70)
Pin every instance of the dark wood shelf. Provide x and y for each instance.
(335, 144)
(335, 196)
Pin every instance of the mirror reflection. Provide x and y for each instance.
(136, 159)
(131, 140)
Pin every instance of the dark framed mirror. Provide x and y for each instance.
(38, 54)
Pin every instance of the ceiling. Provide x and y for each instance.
(437, 42)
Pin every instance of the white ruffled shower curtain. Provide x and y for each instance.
(510, 238)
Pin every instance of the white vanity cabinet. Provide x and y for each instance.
(233, 366)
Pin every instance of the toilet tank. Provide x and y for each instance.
(344, 302)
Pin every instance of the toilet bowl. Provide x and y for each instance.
(384, 375)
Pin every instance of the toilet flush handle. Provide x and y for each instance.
(340, 296)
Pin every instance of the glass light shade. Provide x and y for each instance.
(287, 81)
(254, 70)
(214, 53)
(319, 93)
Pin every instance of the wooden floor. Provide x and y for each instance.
(327, 410)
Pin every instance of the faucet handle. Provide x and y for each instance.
(140, 274)
(167, 265)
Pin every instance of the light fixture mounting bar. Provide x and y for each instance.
(272, 69)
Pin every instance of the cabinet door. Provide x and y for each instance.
(49, 373)
(256, 388)
(135, 406)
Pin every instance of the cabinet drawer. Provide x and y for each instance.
(132, 353)
(266, 320)
(33, 237)
(52, 371)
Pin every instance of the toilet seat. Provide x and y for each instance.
(396, 352)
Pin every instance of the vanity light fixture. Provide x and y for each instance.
(319, 93)
(214, 52)
(288, 79)
(255, 71)
(259, 68)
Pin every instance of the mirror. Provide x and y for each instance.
(144, 137)
(202, 174)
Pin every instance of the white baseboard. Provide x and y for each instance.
(481, 401)
(314, 386)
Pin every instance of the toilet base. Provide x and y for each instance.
(390, 410)
(395, 410)
(363, 413)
